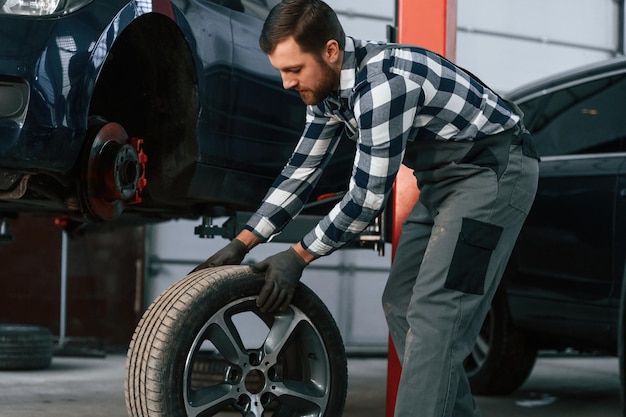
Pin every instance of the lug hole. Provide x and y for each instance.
(233, 375)
(243, 402)
(254, 359)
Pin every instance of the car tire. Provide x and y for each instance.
(191, 354)
(24, 347)
(502, 358)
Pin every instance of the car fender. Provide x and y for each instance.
(61, 63)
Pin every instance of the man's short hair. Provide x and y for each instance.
(312, 23)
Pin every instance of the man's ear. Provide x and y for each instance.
(332, 51)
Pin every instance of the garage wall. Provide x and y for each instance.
(366, 19)
(513, 42)
(510, 43)
(104, 271)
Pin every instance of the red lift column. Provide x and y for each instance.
(432, 25)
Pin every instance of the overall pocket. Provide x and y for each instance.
(471, 257)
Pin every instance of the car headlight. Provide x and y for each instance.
(40, 7)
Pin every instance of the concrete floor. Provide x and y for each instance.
(80, 387)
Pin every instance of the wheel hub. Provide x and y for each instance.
(254, 382)
(114, 172)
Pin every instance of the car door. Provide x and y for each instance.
(210, 24)
(565, 257)
(267, 119)
(620, 252)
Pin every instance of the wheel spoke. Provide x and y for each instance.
(307, 393)
(212, 399)
(256, 409)
(283, 327)
(226, 339)
(301, 395)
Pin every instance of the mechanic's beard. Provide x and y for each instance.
(326, 86)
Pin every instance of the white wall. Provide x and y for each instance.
(513, 42)
(365, 19)
(508, 43)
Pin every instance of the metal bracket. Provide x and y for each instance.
(374, 236)
(371, 238)
(208, 230)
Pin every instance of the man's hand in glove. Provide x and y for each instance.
(231, 254)
(282, 273)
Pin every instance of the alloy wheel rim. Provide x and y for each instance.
(288, 367)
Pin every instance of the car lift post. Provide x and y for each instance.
(432, 25)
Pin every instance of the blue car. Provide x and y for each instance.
(138, 111)
(142, 110)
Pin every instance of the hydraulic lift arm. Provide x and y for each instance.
(430, 24)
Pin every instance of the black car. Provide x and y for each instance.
(563, 288)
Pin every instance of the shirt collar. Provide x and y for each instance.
(348, 69)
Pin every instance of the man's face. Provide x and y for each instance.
(314, 77)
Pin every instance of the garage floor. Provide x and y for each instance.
(79, 387)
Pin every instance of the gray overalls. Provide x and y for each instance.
(455, 243)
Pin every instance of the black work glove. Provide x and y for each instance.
(231, 254)
(282, 273)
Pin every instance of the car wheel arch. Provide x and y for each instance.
(502, 358)
(149, 84)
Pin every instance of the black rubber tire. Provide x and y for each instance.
(502, 359)
(24, 347)
(165, 367)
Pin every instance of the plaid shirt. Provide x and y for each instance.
(399, 95)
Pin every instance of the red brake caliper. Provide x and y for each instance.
(142, 159)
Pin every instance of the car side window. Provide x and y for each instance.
(585, 118)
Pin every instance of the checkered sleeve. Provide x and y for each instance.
(385, 106)
(294, 184)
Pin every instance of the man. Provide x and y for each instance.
(474, 164)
